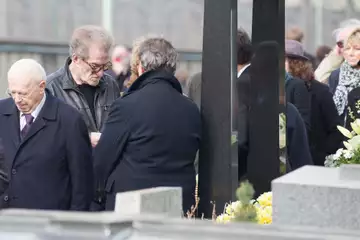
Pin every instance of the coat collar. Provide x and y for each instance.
(47, 113)
(48, 110)
(154, 76)
(69, 82)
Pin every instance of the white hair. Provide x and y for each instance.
(83, 36)
(352, 22)
(28, 69)
(157, 53)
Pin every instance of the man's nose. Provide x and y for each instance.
(17, 100)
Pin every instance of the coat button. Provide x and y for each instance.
(6, 198)
(13, 171)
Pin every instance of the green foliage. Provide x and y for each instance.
(245, 192)
(246, 211)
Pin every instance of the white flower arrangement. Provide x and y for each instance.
(351, 153)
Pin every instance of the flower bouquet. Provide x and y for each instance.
(351, 153)
(248, 209)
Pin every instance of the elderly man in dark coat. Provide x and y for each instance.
(46, 144)
(152, 133)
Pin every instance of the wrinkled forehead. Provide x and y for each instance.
(20, 81)
(98, 54)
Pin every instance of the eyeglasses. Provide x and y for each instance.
(340, 44)
(21, 96)
(95, 68)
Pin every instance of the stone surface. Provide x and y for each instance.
(160, 200)
(317, 196)
(349, 172)
(19, 223)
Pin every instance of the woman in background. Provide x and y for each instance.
(324, 138)
(347, 86)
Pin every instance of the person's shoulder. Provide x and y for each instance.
(109, 79)
(5, 103)
(67, 112)
(335, 73)
(110, 83)
(190, 102)
(296, 80)
(297, 84)
(292, 112)
(319, 86)
(55, 77)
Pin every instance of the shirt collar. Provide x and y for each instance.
(37, 110)
(243, 69)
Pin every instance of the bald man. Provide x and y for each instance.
(47, 150)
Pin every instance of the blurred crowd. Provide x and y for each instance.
(116, 119)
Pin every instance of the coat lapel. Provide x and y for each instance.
(11, 133)
(47, 113)
(13, 122)
(38, 124)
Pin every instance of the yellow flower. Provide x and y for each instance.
(264, 215)
(224, 218)
(265, 199)
(231, 208)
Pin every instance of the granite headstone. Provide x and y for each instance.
(318, 196)
(160, 200)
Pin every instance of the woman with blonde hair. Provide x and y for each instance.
(347, 91)
(324, 139)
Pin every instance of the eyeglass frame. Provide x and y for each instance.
(21, 96)
(96, 69)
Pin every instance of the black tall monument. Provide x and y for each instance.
(267, 85)
(218, 164)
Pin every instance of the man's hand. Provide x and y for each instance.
(94, 138)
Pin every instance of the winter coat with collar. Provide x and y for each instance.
(62, 85)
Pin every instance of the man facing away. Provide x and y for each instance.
(46, 145)
(152, 133)
(82, 83)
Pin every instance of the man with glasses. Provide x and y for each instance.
(47, 166)
(82, 82)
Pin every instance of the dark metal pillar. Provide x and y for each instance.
(217, 165)
(267, 83)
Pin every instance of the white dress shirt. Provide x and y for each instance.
(242, 70)
(35, 113)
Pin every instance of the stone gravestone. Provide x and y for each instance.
(318, 196)
(160, 200)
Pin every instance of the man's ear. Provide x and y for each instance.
(75, 58)
(42, 85)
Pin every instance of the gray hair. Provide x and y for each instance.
(157, 53)
(27, 69)
(84, 36)
(352, 22)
